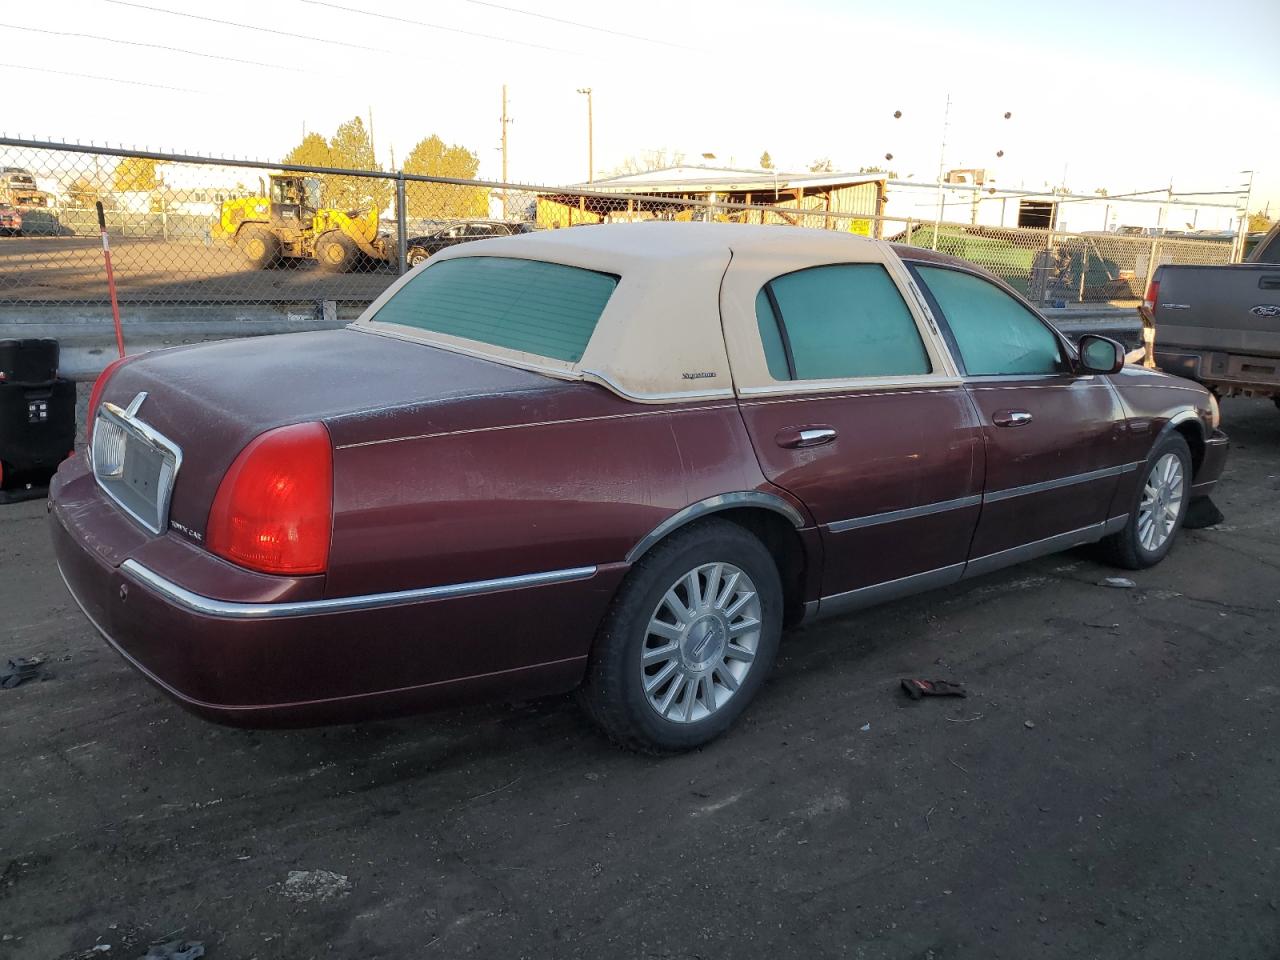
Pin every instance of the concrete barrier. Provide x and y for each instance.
(87, 338)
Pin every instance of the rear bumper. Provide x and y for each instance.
(1211, 466)
(1229, 373)
(261, 663)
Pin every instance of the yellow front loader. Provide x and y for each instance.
(291, 224)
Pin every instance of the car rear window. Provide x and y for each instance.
(547, 309)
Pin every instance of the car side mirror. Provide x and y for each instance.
(1100, 354)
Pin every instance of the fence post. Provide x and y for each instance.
(1084, 269)
(909, 229)
(402, 226)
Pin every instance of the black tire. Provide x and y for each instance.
(1126, 549)
(416, 255)
(336, 252)
(259, 245)
(613, 693)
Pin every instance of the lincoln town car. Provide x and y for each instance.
(619, 460)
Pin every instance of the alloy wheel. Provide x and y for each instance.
(1161, 503)
(700, 642)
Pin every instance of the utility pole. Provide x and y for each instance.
(942, 153)
(1242, 231)
(505, 120)
(591, 162)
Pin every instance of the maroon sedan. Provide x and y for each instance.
(619, 459)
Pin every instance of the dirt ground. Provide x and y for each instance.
(1108, 790)
(48, 269)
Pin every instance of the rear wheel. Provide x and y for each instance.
(335, 252)
(1158, 507)
(259, 246)
(416, 256)
(688, 641)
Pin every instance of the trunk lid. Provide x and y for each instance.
(212, 399)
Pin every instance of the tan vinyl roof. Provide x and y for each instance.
(660, 337)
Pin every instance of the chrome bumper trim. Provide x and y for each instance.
(229, 609)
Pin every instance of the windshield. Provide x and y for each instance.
(547, 309)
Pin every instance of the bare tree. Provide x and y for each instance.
(648, 160)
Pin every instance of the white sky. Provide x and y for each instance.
(1126, 96)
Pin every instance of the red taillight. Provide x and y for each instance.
(1152, 296)
(274, 508)
(95, 395)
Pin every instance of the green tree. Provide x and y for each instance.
(766, 161)
(822, 165)
(135, 175)
(349, 148)
(1259, 222)
(431, 157)
(892, 174)
(313, 151)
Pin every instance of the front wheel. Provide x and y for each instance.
(688, 641)
(259, 246)
(416, 256)
(335, 252)
(1158, 508)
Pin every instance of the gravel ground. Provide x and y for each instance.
(1108, 789)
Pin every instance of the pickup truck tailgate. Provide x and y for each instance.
(1233, 309)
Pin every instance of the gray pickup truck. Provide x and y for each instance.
(1220, 325)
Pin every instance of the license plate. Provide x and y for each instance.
(135, 465)
(142, 467)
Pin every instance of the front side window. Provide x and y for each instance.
(547, 309)
(996, 334)
(836, 322)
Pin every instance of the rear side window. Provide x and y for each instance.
(995, 333)
(839, 321)
(547, 309)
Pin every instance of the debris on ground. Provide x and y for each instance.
(176, 950)
(1029, 724)
(315, 886)
(19, 670)
(932, 688)
(865, 727)
(1119, 583)
(1202, 512)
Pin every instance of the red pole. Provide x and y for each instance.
(111, 278)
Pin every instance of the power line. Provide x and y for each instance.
(576, 23)
(430, 26)
(347, 44)
(153, 46)
(94, 76)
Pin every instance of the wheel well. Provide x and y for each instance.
(1191, 432)
(777, 534)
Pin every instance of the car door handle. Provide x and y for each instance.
(804, 436)
(1011, 418)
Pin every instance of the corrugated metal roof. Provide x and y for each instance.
(695, 179)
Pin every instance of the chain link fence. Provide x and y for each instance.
(194, 230)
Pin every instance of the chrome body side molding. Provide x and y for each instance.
(890, 590)
(910, 513)
(234, 610)
(725, 501)
(977, 566)
(995, 496)
(945, 576)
